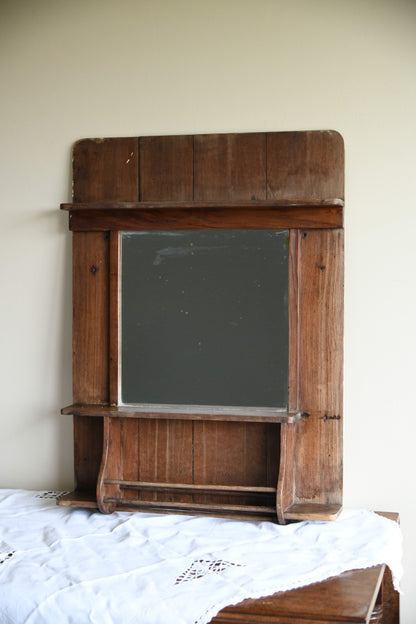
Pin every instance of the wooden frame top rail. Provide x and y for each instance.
(296, 213)
(335, 202)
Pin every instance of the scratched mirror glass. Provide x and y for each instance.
(204, 317)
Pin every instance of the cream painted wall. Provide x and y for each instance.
(92, 68)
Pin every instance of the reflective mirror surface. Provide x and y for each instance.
(204, 317)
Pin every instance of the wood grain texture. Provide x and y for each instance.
(318, 453)
(230, 167)
(88, 449)
(236, 454)
(90, 317)
(111, 462)
(285, 490)
(165, 454)
(236, 216)
(305, 164)
(349, 597)
(130, 444)
(106, 170)
(89, 345)
(185, 412)
(166, 168)
(390, 600)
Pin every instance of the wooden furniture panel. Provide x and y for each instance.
(90, 383)
(279, 464)
(90, 309)
(350, 597)
(230, 167)
(166, 168)
(305, 164)
(105, 170)
(144, 451)
(261, 214)
(318, 453)
(237, 454)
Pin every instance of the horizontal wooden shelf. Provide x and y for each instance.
(254, 214)
(233, 490)
(297, 511)
(186, 412)
(225, 510)
(312, 511)
(86, 500)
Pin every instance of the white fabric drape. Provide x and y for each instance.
(68, 565)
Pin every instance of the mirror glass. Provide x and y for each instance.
(204, 317)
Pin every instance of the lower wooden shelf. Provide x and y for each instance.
(86, 500)
(297, 511)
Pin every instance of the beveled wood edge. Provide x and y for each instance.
(186, 412)
(104, 505)
(247, 610)
(84, 500)
(390, 515)
(313, 511)
(285, 489)
(258, 204)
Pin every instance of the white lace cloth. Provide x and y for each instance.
(69, 565)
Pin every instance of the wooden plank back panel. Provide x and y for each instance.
(144, 451)
(303, 165)
(106, 170)
(319, 437)
(166, 168)
(236, 454)
(230, 167)
(164, 456)
(129, 440)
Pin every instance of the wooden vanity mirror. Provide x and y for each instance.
(208, 324)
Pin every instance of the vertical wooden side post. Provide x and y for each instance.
(103, 170)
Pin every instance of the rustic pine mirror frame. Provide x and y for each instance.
(273, 464)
